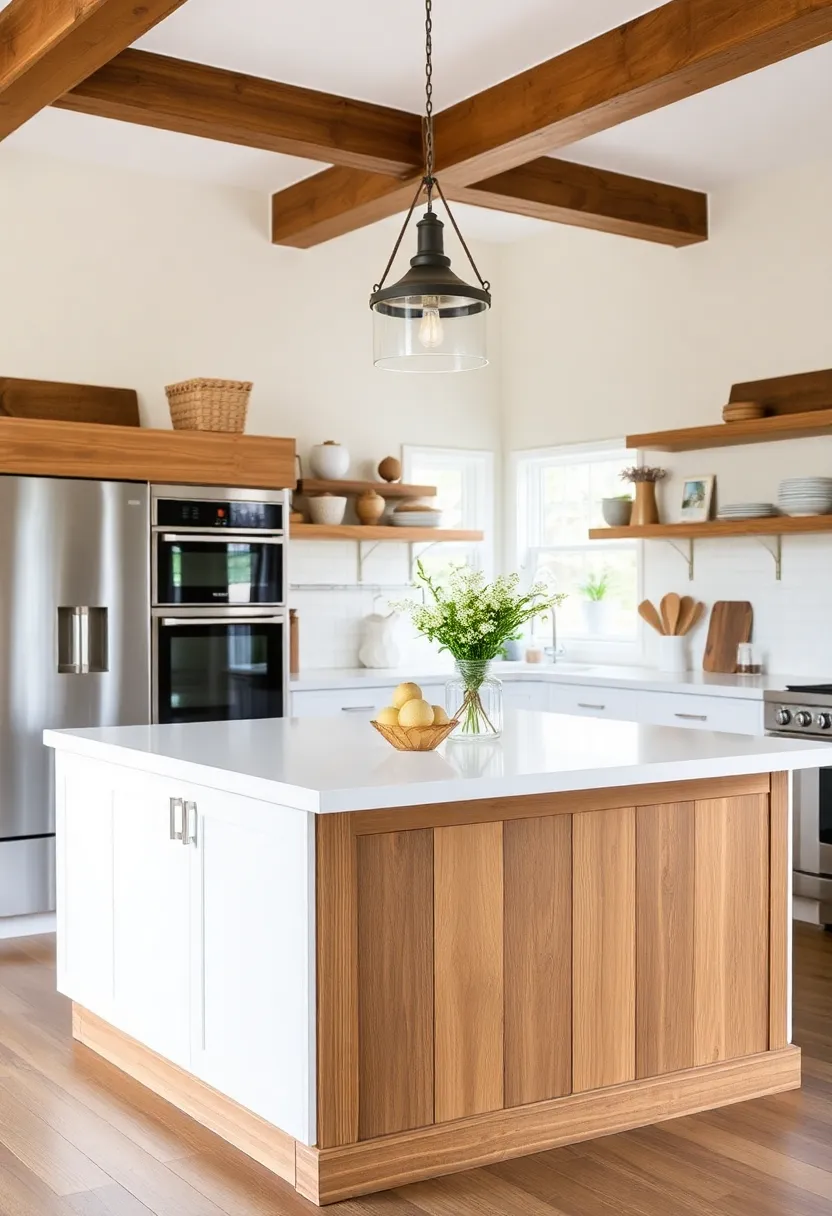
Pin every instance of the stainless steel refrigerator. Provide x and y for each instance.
(74, 651)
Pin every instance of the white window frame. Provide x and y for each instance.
(524, 505)
(478, 506)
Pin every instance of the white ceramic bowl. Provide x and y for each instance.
(327, 509)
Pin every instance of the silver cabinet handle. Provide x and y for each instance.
(585, 705)
(189, 829)
(693, 717)
(358, 709)
(176, 824)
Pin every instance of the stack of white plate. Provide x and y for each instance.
(747, 510)
(805, 496)
(428, 517)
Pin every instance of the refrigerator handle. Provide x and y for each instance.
(70, 643)
(83, 617)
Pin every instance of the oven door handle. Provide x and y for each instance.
(168, 621)
(228, 538)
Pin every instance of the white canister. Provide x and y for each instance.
(673, 653)
(329, 460)
(379, 641)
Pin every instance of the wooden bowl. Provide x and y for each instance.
(415, 738)
(743, 411)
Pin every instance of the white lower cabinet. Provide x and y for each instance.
(332, 702)
(193, 930)
(151, 918)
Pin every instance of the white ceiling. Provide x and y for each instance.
(373, 49)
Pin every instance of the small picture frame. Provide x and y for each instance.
(697, 497)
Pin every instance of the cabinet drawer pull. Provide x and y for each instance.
(176, 818)
(189, 827)
(587, 705)
(358, 709)
(693, 717)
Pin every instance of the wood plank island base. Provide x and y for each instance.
(367, 968)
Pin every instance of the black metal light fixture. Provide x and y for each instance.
(430, 320)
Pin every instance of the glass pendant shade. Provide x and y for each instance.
(430, 320)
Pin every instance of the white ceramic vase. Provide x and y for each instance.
(596, 615)
(328, 509)
(673, 653)
(329, 460)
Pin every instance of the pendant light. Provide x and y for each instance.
(430, 320)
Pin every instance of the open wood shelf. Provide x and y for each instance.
(387, 489)
(731, 434)
(380, 532)
(43, 448)
(772, 525)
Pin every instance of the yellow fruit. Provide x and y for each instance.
(388, 716)
(416, 713)
(440, 718)
(405, 693)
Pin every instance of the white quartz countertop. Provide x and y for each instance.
(648, 679)
(341, 764)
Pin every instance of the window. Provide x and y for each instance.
(559, 492)
(465, 494)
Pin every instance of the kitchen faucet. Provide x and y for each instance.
(555, 649)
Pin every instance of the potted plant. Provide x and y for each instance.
(473, 620)
(644, 478)
(595, 605)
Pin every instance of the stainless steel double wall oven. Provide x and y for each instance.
(219, 622)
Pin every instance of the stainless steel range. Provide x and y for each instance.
(807, 710)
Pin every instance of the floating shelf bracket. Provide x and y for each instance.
(361, 556)
(776, 551)
(686, 552)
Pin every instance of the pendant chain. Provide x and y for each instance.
(429, 100)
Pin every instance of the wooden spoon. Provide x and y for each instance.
(696, 617)
(671, 606)
(686, 614)
(648, 613)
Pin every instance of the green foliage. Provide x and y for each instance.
(596, 586)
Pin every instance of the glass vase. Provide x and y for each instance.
(475, 698)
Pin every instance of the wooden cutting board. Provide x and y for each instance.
(731, 623)
(60, 402)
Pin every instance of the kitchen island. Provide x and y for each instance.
(365, 967)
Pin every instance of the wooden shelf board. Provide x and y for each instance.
(41, 447)
(731, 434)
(387, 489)
(379, 532)
(775, 525)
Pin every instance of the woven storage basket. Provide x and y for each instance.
(209, 405)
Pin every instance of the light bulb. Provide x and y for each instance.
(431, 331)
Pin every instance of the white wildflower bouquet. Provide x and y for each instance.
(473, 620)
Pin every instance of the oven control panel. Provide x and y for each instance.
(200, 513)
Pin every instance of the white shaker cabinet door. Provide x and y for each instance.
(84, 873)
(253, 956)
(151, 905)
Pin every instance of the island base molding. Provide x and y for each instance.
(328, 1175)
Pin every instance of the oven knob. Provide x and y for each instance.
(824, 721)
(803, 718)
(784, 716)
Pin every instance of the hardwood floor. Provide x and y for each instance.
(78, 1138)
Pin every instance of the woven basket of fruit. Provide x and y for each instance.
(412, 724)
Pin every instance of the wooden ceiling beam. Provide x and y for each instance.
(673, 52)
(48, 46)
(192, 98)
(584, 197)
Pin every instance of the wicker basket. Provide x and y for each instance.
(416, 738)
(209, 405)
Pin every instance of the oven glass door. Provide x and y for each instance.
(214, 670)
(195, 569)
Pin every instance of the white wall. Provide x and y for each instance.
(604, 336)
(114, 277)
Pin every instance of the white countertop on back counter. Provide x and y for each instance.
(647, 679)
(342, 764)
